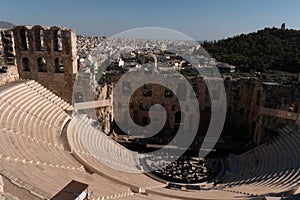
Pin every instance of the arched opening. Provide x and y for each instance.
(25, 64)
(42, 40)
(59, 65)
(23, 39)
(39, 39)
(41, 62)
(57, 41)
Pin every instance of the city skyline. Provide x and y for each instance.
(201, 20)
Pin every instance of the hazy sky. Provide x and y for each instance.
(200, 19)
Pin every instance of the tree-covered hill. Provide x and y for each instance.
(268, 49)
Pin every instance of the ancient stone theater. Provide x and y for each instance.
(53, 148)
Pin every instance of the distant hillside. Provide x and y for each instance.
(6, 25)
(267, 49)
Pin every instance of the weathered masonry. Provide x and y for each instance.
(47, 55)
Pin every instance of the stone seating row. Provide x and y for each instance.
(32, 154)
(26, 110)
(105, 156)
(270, 168)
(93, 148)
(47, 94)
(94, 142)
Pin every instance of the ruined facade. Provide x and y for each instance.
(283, 107)
(8, 69)
(47, 55)
(8, 44)
(247, 98)
(244, 100)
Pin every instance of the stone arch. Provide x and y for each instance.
(57, 39)
(25, 64)
(23, 38)
(38, 37)
(59, 65)
(42, 65)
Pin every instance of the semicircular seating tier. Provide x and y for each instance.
(33, 154)
(106, 157)
(43, 148)
(273, 167)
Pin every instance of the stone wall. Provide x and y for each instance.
(8, 45)
(47, 55)
(244, 99)
(280, 98)
(8, 74)
(8, 68)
